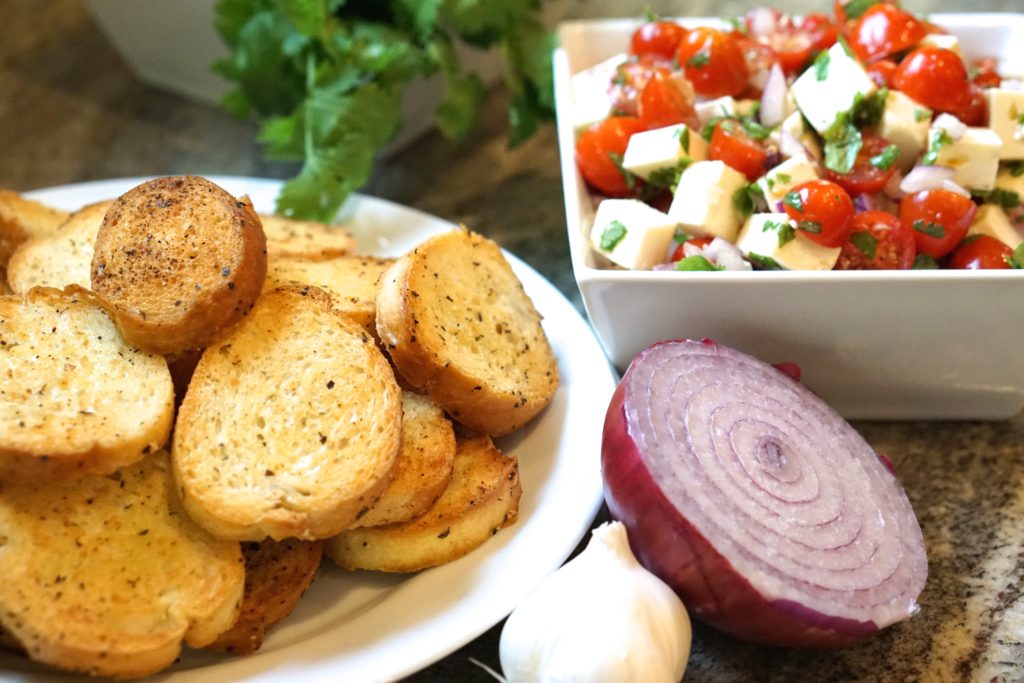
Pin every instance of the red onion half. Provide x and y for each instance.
(764, 509)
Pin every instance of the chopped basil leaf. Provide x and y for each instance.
(1007, 199)
(784, 177)
(793, 199)
(936, 141)
(737, 24)
(629, 176)
(1016, 259)
(680, 237)
(1016, 168)
(699, 60)
(771, 182)
(821, 65)
(746, 199)
(855, 8)
(969, 239)
(865, 242)
(886, 158)
(751, 127)
(668, 177)
(696, 262)
(924, 262)
(684, 140)
(842, 144)
(1020, 119)
(754, 129)
(613, 233)
(786, 231)
(846, 47)
(868, 111)
(929, 228)
(813, 227)
(922, 113)
(765, 262)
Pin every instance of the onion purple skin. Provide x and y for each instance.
(671, 548)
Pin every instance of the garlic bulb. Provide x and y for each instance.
(601, 618)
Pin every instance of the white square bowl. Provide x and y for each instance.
(875, 344)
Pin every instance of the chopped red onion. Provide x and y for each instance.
(789, 146)
(773, 99)
(724, 253)
(951, 124)
(923, 178)
(764, 509)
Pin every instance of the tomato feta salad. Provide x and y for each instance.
(861, 140)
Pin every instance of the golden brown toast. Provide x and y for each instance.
(291, 423)
(22, 219)
(75, 398)
(59, 259)
(458, 325)
(107, 574)
(179, 261)
(351, 280)
(482, 497)
(277, 573)
(292, 238)
(424, 465)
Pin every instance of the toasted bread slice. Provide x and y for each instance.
(60, 259)
(292, 238)
(179, 261)
(351, 280)
(424, 465)
(107, 574)
(75, 398)
(482, 497)
(458, 325)
(291, 424)
(21, 219)
(277, 573)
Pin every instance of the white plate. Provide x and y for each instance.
(364, 626)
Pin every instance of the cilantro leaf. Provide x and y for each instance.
(842, 144)
(785, 231)
(936, 141)
(668, 177)
(865, 242)
(886, 158)
(868, 111)
(230, 16)
(419, 15)
(747, 199)
(529, 76)
(612, 234)
(308, 16)
(696, 262)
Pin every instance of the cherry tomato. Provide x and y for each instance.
(695, 241)
(938, 219)
(985, 73)
(792, 48)
(597, 150)
(667, 99)
(980, 252)
(657, 38)
(731, 144)
(881, 72)
(713, 62)
(884, 30)
(759, 59)
(935, 77)
(822, 31)
(630, 78)
(975, 113)
(822, 210)
(839, 10)
(878, 241)
(865, 177)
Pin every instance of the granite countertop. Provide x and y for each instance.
(70, 110)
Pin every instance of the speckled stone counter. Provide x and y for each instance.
(71, 111)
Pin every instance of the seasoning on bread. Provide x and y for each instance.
(179, 261)
(482, 497)
(458, 325)
(293, 238)
(75, 398)
(107, 575)
(290, 425)
(22, 219)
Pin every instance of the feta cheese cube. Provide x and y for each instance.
(974, 157)
(784, 177)
(830, 87)
(943, 40)
(905, 124)
(660, 151)
(991, 220)
(703, 200)
(795, 129)
(1006, 118)
(632, 234)
(590, 100)
(709, 109)
(760, 237)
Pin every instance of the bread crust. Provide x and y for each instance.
(179, 261)
(22, 219)
(307, 240)
(291, 424)
(76, 398)
(458, 325)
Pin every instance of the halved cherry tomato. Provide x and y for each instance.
(667, 99)
(865, 177)
(823, 211)
(878, 241)
(657, 38)
(975, 113)
(599, 150)
(759, 59)
(792, 48)
(695, 241)
(630, 78)
(820, 28)
(985, 72)
(882, 71)
(884, 30)
(841, 17)
(713, 62)
(731, 144)
(979, 252)
(938, 219)
(935, 77)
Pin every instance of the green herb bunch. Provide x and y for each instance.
(324, 77)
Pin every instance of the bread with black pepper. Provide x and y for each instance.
(290, 425)
(458, 325)
(309, 240)
(59, 259)
(108, 576)
(75, 398)
(179, 261)
(21, 219)
(482, 498)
